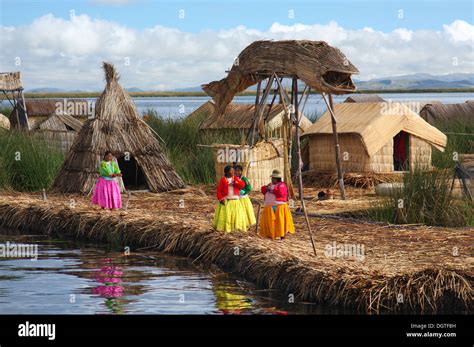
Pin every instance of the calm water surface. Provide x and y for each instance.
(315, 106)
(73, 278)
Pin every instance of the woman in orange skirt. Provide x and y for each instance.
(276, 217)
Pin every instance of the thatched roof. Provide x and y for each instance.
(435, 112)
(60, 122)
(240, 116)
(377, 123)
(116, 127)
(10, 81)
(38, 110)
(364, 98)
(320, 66)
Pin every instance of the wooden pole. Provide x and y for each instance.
(26, 113)
(340, 175)
(296, 120)
(255, 113)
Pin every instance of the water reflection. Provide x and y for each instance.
(104, 281)
(109, 276)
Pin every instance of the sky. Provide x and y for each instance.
(166, 45)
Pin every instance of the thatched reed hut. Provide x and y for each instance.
(259, 161)
(364, 98)
(439, 112)
(239, 118)
(57, 121)
(4, 122)
(38, 110)
(373, 137)
(117, 127)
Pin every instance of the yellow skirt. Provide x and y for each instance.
(276, 224)
(230, 217)
(248, 208)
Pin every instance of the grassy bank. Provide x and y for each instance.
(425, 198)
(460, 133)
(26, 162)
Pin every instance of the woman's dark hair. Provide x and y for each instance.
(227, 169)
(107, 153)
(238, 167)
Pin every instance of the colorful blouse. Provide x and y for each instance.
(106, 168)
(247, 189)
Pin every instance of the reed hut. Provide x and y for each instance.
(239, 118)
(364, 98)
(373, 137)
(438, 112)
(57, 121)
(117, 127)
(259, 161)
(39, 110)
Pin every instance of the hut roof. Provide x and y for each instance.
(116, 127)
(364, 98)
(46, 107)
(241, 116)
(60, 122)
(322, 67)
(40, 109)
(10, 81)
(435, 112)
(376, 123)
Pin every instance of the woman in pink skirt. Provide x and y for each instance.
(107, 192)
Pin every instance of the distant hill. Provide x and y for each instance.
(419, 81)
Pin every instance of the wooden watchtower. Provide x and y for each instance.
(12, 88)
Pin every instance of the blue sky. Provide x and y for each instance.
(217, 15)
(61, 44)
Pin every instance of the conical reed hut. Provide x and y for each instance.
(117, 127)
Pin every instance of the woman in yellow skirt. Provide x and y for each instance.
(276, 217)
(230, 215)
(244, 196)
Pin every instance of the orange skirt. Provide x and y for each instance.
(276, 224)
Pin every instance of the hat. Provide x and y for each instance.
(276, 174)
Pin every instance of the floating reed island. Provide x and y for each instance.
(396, 269)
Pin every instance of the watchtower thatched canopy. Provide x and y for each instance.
(117, 127)
(322, 67)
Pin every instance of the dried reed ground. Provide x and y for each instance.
(417, 262)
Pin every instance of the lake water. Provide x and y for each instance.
(75, 278)
(315, 106)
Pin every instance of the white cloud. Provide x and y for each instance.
(62, 53)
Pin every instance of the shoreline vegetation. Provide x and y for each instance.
(153, 94)
(361, 266)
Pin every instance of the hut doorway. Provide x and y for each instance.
(132, 174)
(401, 148)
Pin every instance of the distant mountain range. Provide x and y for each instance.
(405, 82)
(419, 81)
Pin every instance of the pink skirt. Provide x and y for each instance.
(107, 194)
